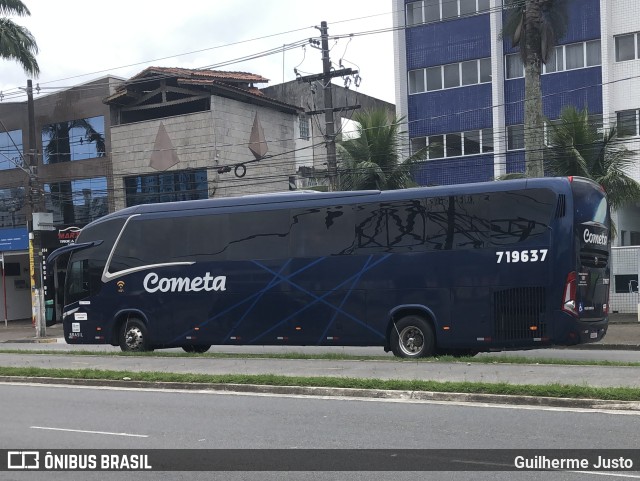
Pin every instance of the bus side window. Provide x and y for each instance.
(406, 224)
(371, 227)
(458, 222)
(259, 235)
(322, 231)
(77, 281)
(519, 216)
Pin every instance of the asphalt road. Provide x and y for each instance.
(46, 417)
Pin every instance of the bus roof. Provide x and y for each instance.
(348, 197)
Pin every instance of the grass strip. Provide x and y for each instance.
(547, 390)
(334, 357)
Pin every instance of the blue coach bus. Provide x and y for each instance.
(441, 270)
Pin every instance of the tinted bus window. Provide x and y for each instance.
(392, 225)
(258, 235)
(78, 281)
(371, 227)
(438, 226)
(590, 203)
(517, 216)
(106, 231)
(406, 222)
(161, 240)
(458, 222)
(322, 231)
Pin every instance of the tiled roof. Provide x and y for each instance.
(234, 83)
(244, 77)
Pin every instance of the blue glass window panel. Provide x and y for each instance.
(73, 140)
(10, 149)
(88, 197)
(12, 204)
(166, 187)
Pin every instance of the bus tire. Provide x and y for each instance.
(196, 348)
(134, 336)
(412, 337)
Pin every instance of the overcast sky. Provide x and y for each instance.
(80, 40)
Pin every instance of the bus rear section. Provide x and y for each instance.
(586, 294)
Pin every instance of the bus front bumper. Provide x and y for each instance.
(84, 332)
(589, 331)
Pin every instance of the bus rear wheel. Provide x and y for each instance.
(196, 349)
(412, 337)
(134, 336)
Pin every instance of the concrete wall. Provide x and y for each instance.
(311, 97)
(18, 290)
(209, 140)
(233, 123)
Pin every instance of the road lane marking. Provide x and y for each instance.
(90, 432)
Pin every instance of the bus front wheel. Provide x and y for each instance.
(134, 336)
(412, 337)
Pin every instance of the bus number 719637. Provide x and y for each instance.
(527, 255)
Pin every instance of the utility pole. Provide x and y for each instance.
(325, 77)
(329, 122)
(35, 245)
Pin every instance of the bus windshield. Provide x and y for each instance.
(593, 239)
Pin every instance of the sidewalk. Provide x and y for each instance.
(623, 334)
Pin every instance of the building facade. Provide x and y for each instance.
(311, 152)
(461, 86)
(73, 177)
(180, 134)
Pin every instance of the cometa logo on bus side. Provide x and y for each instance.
(154, 283)
(600, 239)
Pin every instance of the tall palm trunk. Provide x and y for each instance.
(533, 116)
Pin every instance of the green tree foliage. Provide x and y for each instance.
(372, 160)
(534, 26)
(577, 148)
(16, 42)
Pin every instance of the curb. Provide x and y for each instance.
(32, 341)
(606, 347)
(343, 392)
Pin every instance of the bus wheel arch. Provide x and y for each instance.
(411, 333)
(131, 332)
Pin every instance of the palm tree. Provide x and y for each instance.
(577, 148)
(16, 42)
(534, 26)
(371, 160)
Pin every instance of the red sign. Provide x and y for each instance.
(68, 235)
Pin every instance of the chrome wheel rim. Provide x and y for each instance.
(411, 341)
(133, 338)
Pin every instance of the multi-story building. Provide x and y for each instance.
(73, 174)
(461, 85)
